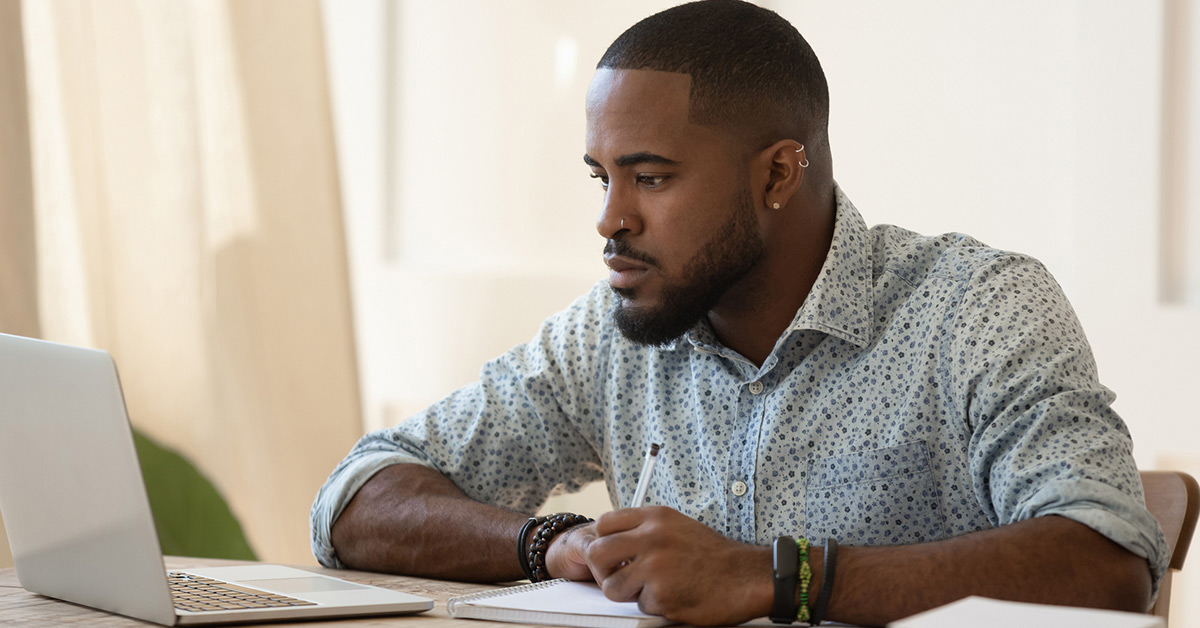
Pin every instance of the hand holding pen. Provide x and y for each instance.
(568, 558)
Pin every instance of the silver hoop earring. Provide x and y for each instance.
(803, 164)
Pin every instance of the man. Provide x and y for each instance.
(929, 403)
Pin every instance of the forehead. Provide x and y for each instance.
(630, 111)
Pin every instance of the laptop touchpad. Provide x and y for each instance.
(302, 585)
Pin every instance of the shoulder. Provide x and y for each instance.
(581, 331)
(956, 258)
(588, 316)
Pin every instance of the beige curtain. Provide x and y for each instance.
(18, 262)
(184, 203)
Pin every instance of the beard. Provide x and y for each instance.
(733, 251)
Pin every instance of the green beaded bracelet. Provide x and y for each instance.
(802, 613)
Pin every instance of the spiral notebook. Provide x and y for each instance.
(554, 602)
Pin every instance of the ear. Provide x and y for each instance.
(784, 163)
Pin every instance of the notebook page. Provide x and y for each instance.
(576, 598)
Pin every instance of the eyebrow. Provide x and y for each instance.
(633, 159)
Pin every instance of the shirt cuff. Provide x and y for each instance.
(338, 490)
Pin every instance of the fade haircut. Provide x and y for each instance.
(752, 72)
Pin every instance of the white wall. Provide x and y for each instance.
(1033, 126)
(482, 223)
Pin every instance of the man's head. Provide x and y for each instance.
(753, 74)
(695, 118)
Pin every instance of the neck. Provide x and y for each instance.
(754, 313)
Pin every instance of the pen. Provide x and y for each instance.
(639, 495)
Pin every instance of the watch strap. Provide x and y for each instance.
(785, 561)
(830, 568)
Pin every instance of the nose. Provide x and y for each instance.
(616, 216)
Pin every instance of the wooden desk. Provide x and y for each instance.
(20, 607)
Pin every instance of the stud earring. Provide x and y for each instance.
(622, 223)
(775, 206)
(803, 164)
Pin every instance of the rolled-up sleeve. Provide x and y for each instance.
(371, 454)
(1046, 440)
(525, 430)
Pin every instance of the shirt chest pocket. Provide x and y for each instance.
(878, 497)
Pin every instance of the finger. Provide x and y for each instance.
(648, 602)
(622, 585)
(624, 519)
(626, 534)
(607, 554)
(616, 521)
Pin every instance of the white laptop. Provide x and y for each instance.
(79, 522)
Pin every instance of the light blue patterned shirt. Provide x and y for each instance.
(928, 387)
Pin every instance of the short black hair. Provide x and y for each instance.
(752, 72)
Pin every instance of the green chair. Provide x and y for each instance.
(191, 516)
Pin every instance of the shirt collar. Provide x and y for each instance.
(840, 301)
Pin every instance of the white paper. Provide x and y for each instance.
(577, 598)
(982, 612)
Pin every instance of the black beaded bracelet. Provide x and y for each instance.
(534, 563)
(830, 558)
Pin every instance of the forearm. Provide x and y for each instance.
(411, 519)
(1049, 560)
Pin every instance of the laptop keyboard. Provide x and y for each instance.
(194, 593)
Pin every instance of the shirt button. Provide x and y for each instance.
(739, 488)
(756, 388)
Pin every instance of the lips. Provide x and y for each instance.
(624, 273)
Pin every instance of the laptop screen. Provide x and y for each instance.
(71, 489)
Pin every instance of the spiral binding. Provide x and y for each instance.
(453, 603)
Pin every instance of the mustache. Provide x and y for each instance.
(619, 246)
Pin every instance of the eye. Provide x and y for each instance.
(603, 180)
(651, 180)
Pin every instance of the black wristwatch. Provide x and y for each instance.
(786, 561)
